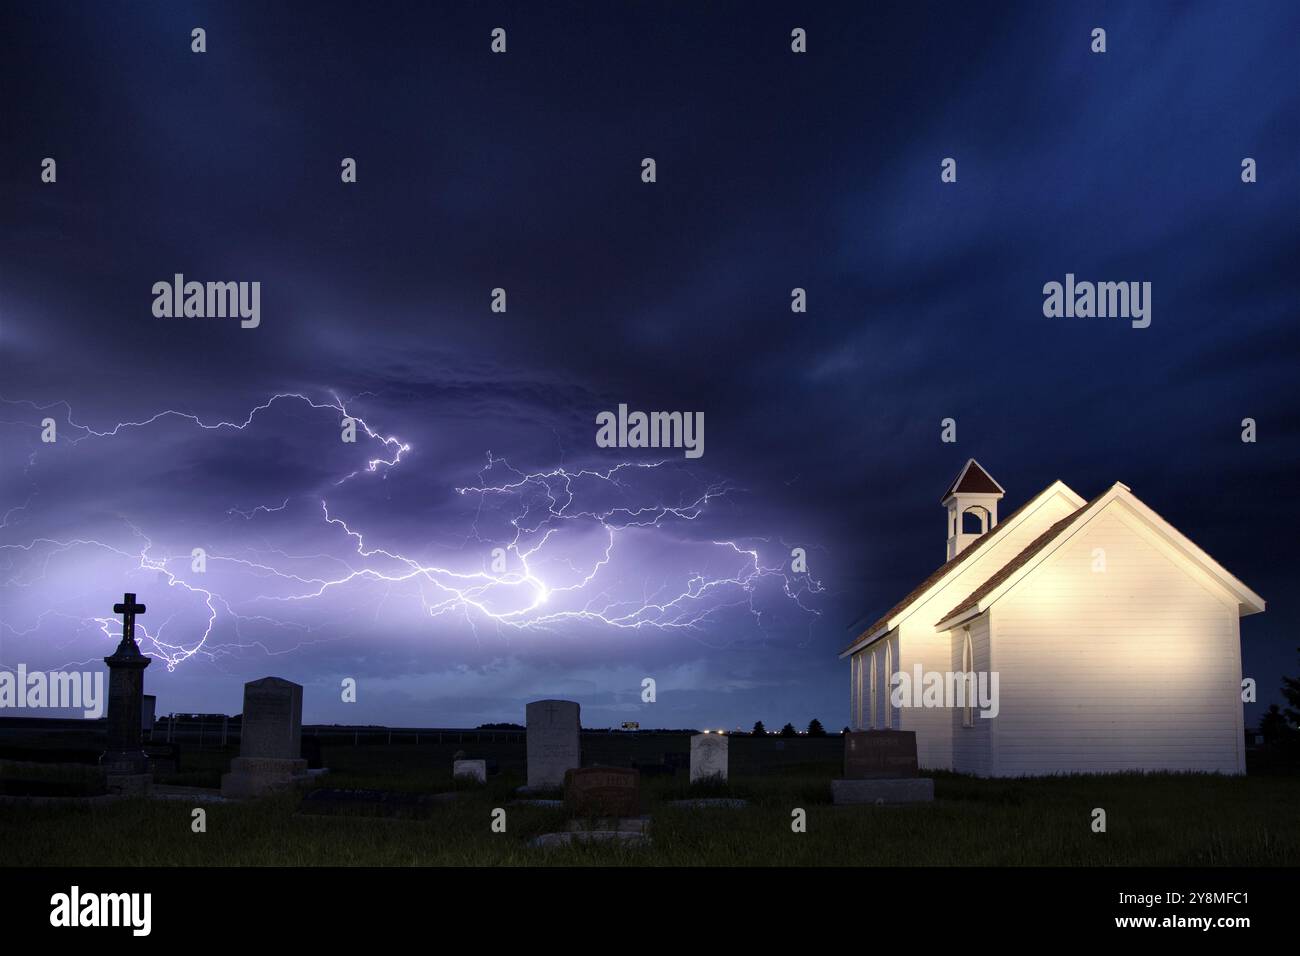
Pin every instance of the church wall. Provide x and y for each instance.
(919, 643)
(933, 726)
(1134, 667)
(971, 746)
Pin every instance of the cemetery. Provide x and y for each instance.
(561, 795)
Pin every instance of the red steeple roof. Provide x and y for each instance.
(973, 479)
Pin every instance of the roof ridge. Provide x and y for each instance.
(1020, 560)
(949, 565)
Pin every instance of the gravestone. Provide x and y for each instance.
(882, 792)
(125, 763)
(148, 711)
(709, 757)
(710, 803)
(272, 720)
(879, 754)
(475, 770)
(880, 768)
(603, 792)
(270, 741)
(552, 742)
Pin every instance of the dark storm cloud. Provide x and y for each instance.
(522, 172)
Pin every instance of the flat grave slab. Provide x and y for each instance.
(882, 792)
(372, 803)
(711, 803)
(621, 837)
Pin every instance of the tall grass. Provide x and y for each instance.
(1152, 820)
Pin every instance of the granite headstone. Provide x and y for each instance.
(602, 792)
(709, 757)
(270, 742)
(879, 754)
(552, 745)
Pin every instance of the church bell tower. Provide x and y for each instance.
(972, 503)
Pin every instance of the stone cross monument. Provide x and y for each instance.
(126, 665)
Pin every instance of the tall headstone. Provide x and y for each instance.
(270, 741)
(553, 748)
(880, 768)
(272, 719)
(709, 757)
(602, 792)
(125, 762)
(148, 712)
(879, 754)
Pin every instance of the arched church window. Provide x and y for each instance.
(968, 679)
(874, 686)
(889, 685)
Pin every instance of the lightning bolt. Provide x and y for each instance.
(533, 583)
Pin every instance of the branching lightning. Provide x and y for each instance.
(552, 561)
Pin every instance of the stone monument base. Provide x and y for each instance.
(883, 790)
(611, 825)
(128, 784)
(628, 831)
(255, 776)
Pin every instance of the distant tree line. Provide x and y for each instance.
(1280, 727)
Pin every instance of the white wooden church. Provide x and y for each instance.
(1115, 640)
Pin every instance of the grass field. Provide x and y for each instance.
(1152, 820)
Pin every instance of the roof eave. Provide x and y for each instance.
(956, 620)
(871, 638)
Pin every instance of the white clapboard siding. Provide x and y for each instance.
(1136, 667)
(972, 746)
(933, 726)
(919, 642)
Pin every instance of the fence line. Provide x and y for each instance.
(220, 733)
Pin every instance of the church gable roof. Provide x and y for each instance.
(1001, 580)
(978, 546)
(1030, 551)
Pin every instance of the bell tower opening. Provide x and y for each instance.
(972, 504)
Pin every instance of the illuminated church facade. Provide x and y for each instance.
(1110, 641)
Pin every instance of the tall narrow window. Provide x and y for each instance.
(967, 680)
(873, 691)
(853, 691)
(857, 691)
(889, 685)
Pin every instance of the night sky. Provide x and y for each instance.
(523, 171)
